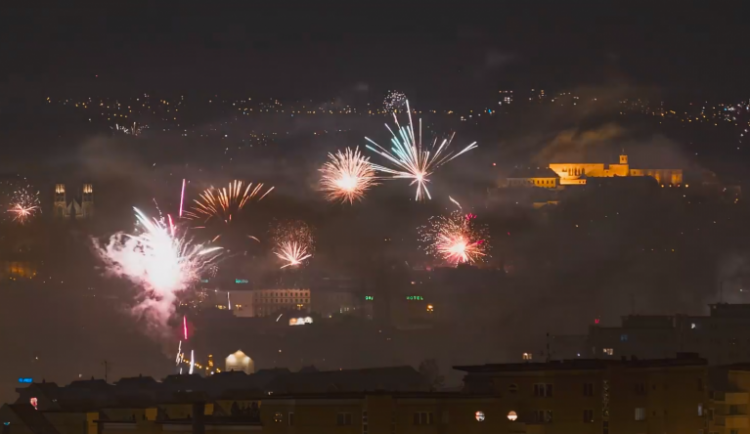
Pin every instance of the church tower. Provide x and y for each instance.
(87, 201)
(60, 202)
(623, 158)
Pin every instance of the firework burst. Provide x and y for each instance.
(294, 242)
(347, 176)
(455, 238)
(412, 160)
(394, 101)
(223, 205)
(20, 202)
(159, 261)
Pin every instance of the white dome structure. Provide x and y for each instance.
(239, 361)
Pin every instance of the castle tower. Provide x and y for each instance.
(60, 203)
(623, 158)
(87, 201)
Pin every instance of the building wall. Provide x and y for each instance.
(532, 182)
(575, 173)
(669, 398)
(265, 302)
(384, 414)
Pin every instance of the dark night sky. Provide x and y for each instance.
(311, 49)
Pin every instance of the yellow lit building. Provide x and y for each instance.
(730, 397)
(383, 413)
(576, 173)
(598, 396)
(533, 177)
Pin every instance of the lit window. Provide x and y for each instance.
(640, 413)
(527, 356)
(278, 417)
(623, 338)
(479, 416)
(512, 415)
(608, 351)
(344, 419)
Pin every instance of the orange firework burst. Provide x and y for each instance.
(21, 204)
(21, 213)
(347, 175)
(223, 204)
(456, 238)
(294, 242)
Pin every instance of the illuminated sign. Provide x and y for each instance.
(241, 281)
(25, 380)
(369, 297)
(415, 297)
(300, 321)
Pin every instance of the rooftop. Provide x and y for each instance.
(682, 360)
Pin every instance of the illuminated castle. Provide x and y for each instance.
(576, 173)
(62, 209)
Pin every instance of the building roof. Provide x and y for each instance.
(33, 419)
(687, 359)
(395, 378)
(532, 172)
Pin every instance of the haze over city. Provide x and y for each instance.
(342, 186)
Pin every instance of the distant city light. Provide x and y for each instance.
(512, 416)
(241, 281)
(479, 416)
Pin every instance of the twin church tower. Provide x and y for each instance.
(73, 210)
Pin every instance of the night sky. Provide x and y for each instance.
(440, 50)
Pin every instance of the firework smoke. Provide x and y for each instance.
(347, 176)
(294, 242)
(410, 159)
(455, 238)
(159, 262)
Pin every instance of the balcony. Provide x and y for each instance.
(732, 421)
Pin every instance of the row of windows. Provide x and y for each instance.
(284, 300)
(427, 418)
(545, 390)
(284, 294)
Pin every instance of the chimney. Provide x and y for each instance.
(199, 418)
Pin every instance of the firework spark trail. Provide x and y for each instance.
(223, 203)
(347, 176)
(160, 263)
(455, 238)
(21, 213)
(192, 362)
(182, 196)
(411, 159)
(455, 202)
(184, 327)
(293, 252)
(294, 242)
(178, 359)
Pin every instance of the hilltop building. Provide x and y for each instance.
(567, 174)
(576, 173)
